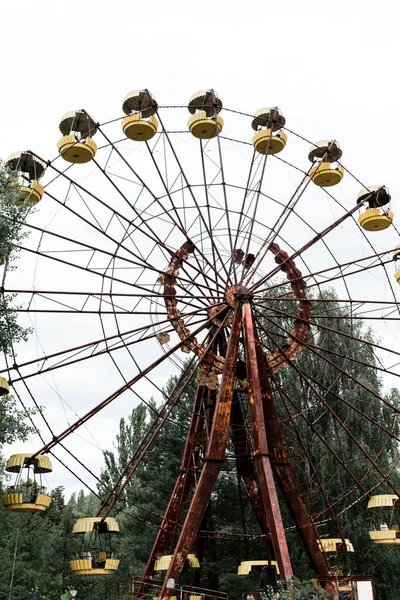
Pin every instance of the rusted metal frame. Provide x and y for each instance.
(309, 461)
(114, 395)
(328, 390)
(247, 191)
(340, 355)
(183, 229)
(221, 165)
(338, 266)
(311, 299)
(189, 187)
(187, 373)
(214, 248)
(94, 294)
(347, 374)
(331, 329)
(261, 448)
(213, 461)
(288, 208)
(98, 341)
(201, 361)
(328, 447)
(65, 362)
(343, 426)
(368, 241)
(181, 490)
(282, 466)
(307, 245)
(156, 239)
(86, 269)
(252, 219)
(245, 466)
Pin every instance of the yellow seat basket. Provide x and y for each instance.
(139, 130)
(83, 566)
(265, 143)
(373, 219)
(32, 193)
(163, 562)
(324, 175)
(387, 537)
(4, 388)
(86, 524)
(14, 503)
(76, 152)
(397, 276)
(246, 565)
(204, 128)
(333, 545)
(16, 462)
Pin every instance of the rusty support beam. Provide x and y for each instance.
(213, 461)
(245, 466)
(261, 449)
(283, 468)
(181, 490)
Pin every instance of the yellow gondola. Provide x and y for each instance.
(28, 493)
(246, 565)
(387, 532)
(269, 139)
(335, 545)
(30, 169)
(163, 562)
(140, 125)
(325, 171)
(4, 387)
(205, 122)
(396, 258)
(96, 555)
(374, 217)
(76, 145)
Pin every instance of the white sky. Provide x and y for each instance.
(331, 67)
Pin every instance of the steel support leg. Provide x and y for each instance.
(284, 471)
(261, 449)
(182, 487)
(213, 461)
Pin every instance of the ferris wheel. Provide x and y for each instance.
(226, 248)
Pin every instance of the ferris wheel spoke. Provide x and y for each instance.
(307, 245)
(77, 351)
(178, 224)
(346, 357)
(308, 459)
(193, 197)
(214, 247)
(119, 391)
(149, 232)
(344, 372)
(380, 474)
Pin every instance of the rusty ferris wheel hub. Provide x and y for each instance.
(221, 314)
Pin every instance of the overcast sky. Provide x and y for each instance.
(331, 67)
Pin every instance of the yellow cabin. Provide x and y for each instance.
(205, 122)
(386, 519)
(268, 123)
(140, 125)
(76, 145)
(163, 562)
(396, 258)
(30, 169)
(325, 170)
(95, 555)
(374, 203)
(28, 493)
